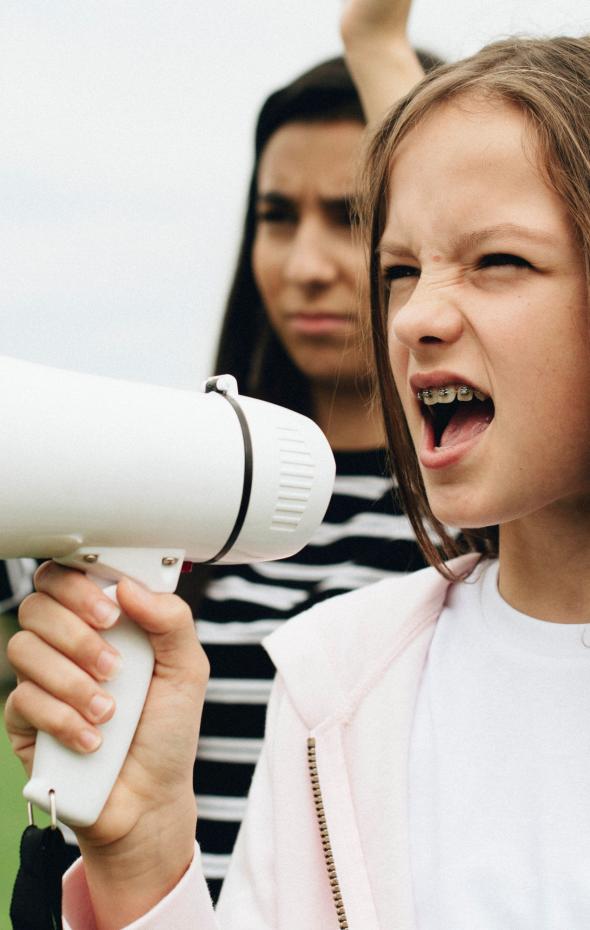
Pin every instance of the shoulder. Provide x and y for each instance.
(327, 653)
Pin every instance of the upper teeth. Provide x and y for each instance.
(448, 393)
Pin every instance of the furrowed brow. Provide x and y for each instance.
(473, 240)
(479, 237)
(394, 249)
(273, 198)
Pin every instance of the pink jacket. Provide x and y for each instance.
(325, 841)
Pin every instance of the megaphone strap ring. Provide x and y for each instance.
(52, 811)
(218, 385)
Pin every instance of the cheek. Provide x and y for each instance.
(266, 268)
(398, 359)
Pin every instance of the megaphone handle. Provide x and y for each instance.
(81, 784)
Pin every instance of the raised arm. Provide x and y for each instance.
(381, 60)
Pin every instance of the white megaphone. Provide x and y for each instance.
(118, 478)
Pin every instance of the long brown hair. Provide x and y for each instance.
(549, 81)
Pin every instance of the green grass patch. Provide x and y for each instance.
(13, 820)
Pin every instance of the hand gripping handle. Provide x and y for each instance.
(83, 783)
(80, 784)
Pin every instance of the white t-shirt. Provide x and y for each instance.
(500, 769)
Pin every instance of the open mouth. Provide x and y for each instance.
(456, 413)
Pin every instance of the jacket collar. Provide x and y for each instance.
(330, 656)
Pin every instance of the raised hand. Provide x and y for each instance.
(383, 65)
(378, 20)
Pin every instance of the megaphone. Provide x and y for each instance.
(118, 478)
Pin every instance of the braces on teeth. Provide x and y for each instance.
(446, 395)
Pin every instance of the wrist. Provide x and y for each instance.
(128, 877)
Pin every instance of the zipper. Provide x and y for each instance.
(324, 834)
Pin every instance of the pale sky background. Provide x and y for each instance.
(126, 136)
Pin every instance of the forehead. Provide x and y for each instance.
(469, 161)
(318, 155)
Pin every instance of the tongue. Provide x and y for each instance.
(467, 421)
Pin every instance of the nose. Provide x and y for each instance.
(311, 261)
(431, 317)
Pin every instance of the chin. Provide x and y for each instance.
(463, 511)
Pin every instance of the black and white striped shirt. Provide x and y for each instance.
(16, 581)
(364, 537)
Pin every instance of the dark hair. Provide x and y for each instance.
(549, 81)
(248, 347)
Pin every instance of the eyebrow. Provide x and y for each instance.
(474, 239)
(274, 198)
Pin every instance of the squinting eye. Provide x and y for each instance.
(500, 259)
(395, 272)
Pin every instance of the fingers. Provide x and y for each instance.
(74, 609)
(61, 659)
(40, 664)
(78, 593)
(157, 613)
(30, 708)
(71, 636)
(164, 615)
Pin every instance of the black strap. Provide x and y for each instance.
(36, 896)
(247, 483)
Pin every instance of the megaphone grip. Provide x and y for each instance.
(83, 783)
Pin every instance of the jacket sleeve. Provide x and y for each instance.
(247, 901)
(188, 905)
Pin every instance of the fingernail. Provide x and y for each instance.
(106, 613)
(99, 706)
(108, 664)
(90, 739)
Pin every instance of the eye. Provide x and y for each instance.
(274, 208)
(275, 215)
(395, 272)
(503, 259)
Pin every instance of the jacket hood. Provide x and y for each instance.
(330, 656)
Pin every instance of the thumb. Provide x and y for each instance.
(169, 621)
